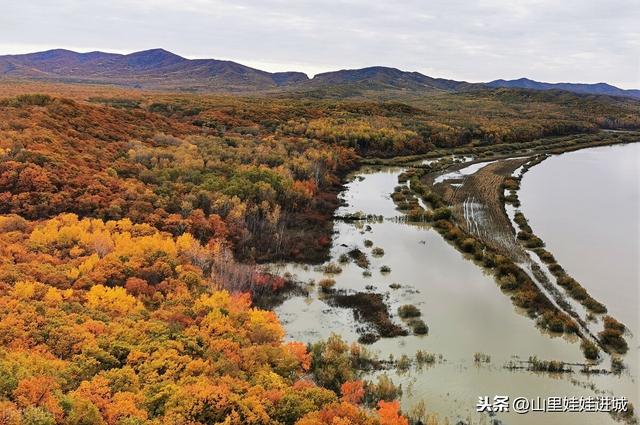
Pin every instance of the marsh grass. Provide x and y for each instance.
(481, 358)
(424, 358)
(538, 365)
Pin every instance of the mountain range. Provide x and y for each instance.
(598, 88)
(161, 69)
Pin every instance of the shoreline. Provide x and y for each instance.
(554, 141)
(466, 239)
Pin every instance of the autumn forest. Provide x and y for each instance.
(133, 227)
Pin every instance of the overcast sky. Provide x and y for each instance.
(547, 40)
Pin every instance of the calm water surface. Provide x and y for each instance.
(465, 310)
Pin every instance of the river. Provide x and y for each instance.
(464, 308)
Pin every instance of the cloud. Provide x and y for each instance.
(569, 40)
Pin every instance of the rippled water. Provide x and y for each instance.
(465, 310)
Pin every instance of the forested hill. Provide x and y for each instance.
(156, 68)
(598, 88)
(160, 69)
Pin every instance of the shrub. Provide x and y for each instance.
(11, 223)
(359, 257)
(33, 100)
(385, 269)
(395, 285)
(453, 233)
(162, 139)
(385, 390)
(545, 255)
(408, 311)
(556, 325)
(611, 323)
(368, 243)
(511, 184)
(508, 282)
(468, 245)
(442, 213)
(326, 284)
(570, 327)
(343, 259)
(594, 306)
(612, 335)
(556, 269)
(613, 339)
(534, 242)
(512, 199)
(489, 260)
(617, 366)
(427, 215)
(398, 197)
(522, 222)
(332, 268)
(404, 206)
(418, 214)
(377, 251)
(567, 282)
(589, 349)
(419, 327)
(368, 338)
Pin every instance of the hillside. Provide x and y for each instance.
(385, 78)
(598, 88)
(156, 68)
(159, 68)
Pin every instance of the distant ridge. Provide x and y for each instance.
(161, 69)
(385, 77)
(598, 88)
(155, 68)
